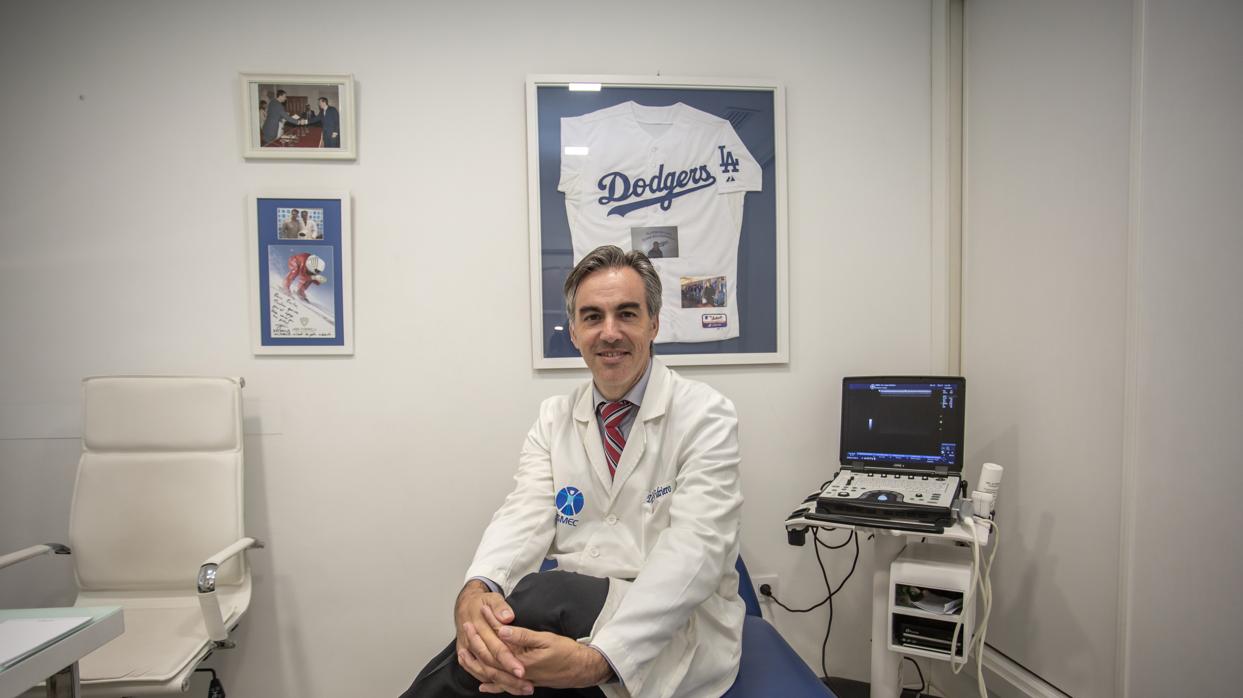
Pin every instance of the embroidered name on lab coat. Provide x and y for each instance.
(658, 493)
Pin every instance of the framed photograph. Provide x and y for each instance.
(298, 116)
(691, 172)
(302, 298)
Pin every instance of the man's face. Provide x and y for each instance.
(304, 215)
(613, 329)
(281, 99)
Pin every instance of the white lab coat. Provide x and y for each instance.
(668, 521)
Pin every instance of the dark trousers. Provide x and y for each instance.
(565, 603)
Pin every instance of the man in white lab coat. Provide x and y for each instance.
(630, 484)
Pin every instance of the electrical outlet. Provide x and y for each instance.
(759, 580)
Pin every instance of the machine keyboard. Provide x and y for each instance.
(913, 489)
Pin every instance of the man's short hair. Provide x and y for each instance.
(280, 93)
(324, 100)
(612, 257)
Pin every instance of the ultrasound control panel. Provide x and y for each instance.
(891, 489)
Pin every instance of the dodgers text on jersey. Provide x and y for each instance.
(663, 186)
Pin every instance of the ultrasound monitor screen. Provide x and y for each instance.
(903, 422)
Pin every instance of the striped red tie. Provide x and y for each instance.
(613, 413)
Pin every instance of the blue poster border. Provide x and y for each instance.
(333, 247)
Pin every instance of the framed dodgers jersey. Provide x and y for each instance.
(692, 175)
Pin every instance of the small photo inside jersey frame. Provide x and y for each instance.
(300, 117)
(691, 172)
(300, 273)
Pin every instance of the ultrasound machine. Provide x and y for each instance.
(901, 454)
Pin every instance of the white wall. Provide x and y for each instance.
(1182, 615)
(1102, 333)
(1044, 289)
(123, 250)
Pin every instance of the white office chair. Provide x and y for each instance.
(156, 527)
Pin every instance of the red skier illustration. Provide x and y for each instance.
(306, 268)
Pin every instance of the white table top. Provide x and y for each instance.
(106, 623)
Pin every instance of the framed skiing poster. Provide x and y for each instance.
(300, 273)
(690, 172)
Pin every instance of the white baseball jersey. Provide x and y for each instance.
(669, 181)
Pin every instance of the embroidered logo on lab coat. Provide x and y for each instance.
(569, 502)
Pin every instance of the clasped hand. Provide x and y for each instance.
(510, 659)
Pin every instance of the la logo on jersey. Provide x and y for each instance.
(729, 164)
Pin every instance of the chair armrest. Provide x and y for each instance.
(207, 571)
(213, 619)
(32, 551)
